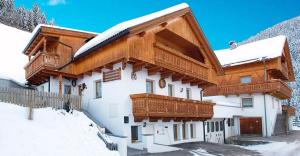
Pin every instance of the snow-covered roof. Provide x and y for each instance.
(4, 77)
(267, 48)
(115, 30)
(12, 61)
(38, 27)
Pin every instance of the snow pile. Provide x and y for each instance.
(201, 152)
(49, 133)
(252, 51)
(277, 149)
(12, 61)
(126, 25)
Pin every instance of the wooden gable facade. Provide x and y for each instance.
(172, 45)
(265, 76)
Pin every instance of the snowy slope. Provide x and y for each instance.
(12, 61)
(291, 29)
(50, 133)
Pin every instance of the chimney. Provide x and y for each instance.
(233, 45)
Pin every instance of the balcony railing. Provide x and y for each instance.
(40, 61)
(289, 109)
(152, 106)
(276, 88)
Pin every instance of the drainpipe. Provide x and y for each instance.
(201, 94)
(204, 131)
(224, 130)
(265, 107)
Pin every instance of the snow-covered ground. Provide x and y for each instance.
(277, 149)
(50, 133)
(12, 61)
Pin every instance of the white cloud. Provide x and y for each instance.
(56, 2)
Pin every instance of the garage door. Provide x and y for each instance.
(251, 126)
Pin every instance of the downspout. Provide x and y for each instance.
(224, 130)
(265, 106)
(201, 94)
(204, 131)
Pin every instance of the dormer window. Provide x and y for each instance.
(246, 79)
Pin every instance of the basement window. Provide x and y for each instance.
(247, 102)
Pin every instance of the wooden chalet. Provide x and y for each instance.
(171, 45)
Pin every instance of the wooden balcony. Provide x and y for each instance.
(154, 107)
(291, 111)
(276, 88)
(39, 62)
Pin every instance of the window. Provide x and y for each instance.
(184, 136)
(228, 122)
(188, 93)
(192, 130)
(207, 123)
(246, 79)
(212, 126)
(42, 88)
(149, 86)
(98, 87)
(170, 90)
(175, 129)
(217, 126)
(67, 89)
(247, 102)
(232, 122)
(134, 134)
(221, 126)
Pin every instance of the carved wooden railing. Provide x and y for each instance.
(157, 106)
(39, 61)
(175, 61)
(277, 88)
(291, 111)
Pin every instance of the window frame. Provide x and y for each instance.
(212, 126)
(245, 78)
(152, 86)
(67, 86)
(172, 93)
(252, 102)
(96, 96)
(188, 93)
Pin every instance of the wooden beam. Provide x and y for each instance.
(137, 66)
(89, 73)
(98, 70)
(177, 77)
(187, 80)
(154, 70)
(109, 66)
(37, 46)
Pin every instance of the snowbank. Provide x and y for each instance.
(12, 61)
(50, 133)
(277, 149)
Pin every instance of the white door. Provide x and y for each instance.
(214, 131)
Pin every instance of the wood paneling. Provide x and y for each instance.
(251, 126)
(146, 106)
(276, 88)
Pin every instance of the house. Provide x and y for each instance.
(144, 79)
(253, 85)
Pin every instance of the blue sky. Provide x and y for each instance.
(221, 20)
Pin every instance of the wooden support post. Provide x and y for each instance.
(60, 77)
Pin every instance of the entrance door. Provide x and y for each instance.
(251, 126)
(214, 131)
(134, 134)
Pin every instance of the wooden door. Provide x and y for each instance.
(251, 126)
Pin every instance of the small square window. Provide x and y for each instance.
(67, 89)
(247, 102)
(246, 79)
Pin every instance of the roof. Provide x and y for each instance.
(121, 29)
(267, 48)
(4, 77)
(37, 29)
